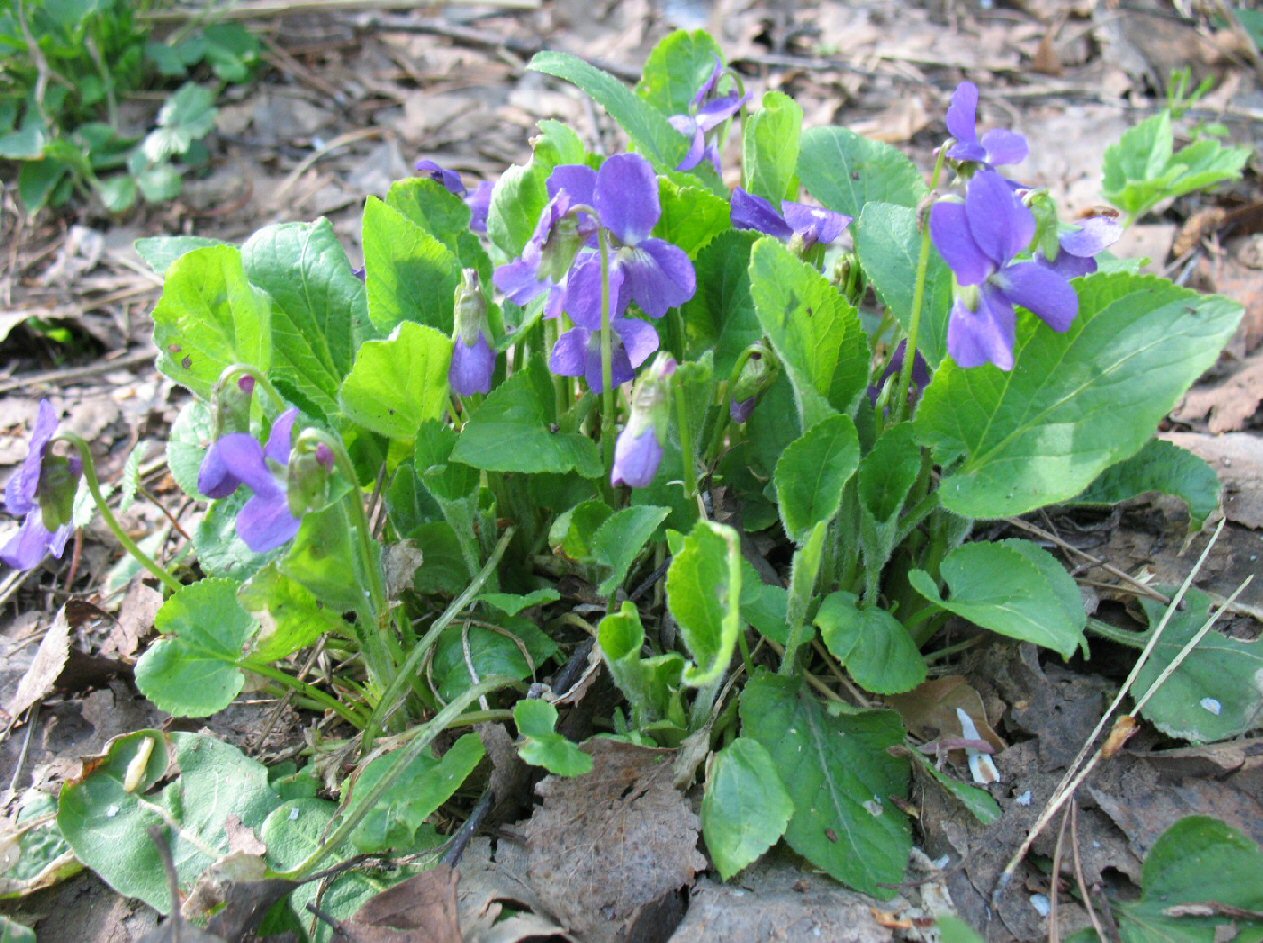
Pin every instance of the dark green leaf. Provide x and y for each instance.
(542, 745)
(745, 808)
(813, 471)
(1162, 467)
(721, 316)
(618, 541)
(846, 171)
(871, 644)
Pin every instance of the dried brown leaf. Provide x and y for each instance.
(49, 661)
(422, 909)
(1230, 405)
(607, 852)
(929, 711)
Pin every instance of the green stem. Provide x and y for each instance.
(607, 356)
(309, 691)
(393, 695)
(94, 487)
(688, 448)
(918, 300)
(403, 759)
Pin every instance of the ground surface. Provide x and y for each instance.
(350, 100)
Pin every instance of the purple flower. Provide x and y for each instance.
(980, 238)
(650, 272)
(920, 373)
(1080, 246)
(639, 449)
(266, 522)
(525, 279)
(997, 145)
(33, 541)
(577, 353)
(705, 115)
(479, 203)
(450, 179)
(814, 224)
(473, 360)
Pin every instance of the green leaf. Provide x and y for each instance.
(814, 330)
(886, 477)
(1163, 467)
(38, 180)
(443, 215)
(871, 644)
(980, 803)
(651, 685)
(889, 247)
(572, 531)
(763, 605)
(232, 50)
(323, 559)
(465, 655)
(517, 201)
(186, 116)
(511, 432)
(105, 815)
(319, 316)
(1214, 694)
(542, 745)
(210, 317)
(161, 252)
(192, 670)
(1074, 403)
(846, 171)
(410, 275)
(290, 616)
(703, 594)
(954, 930)
(620, 538)
(220, 549)
(118, 194)
(746, 807)
(397, 384)
(13, 932)
(691, 217)
(27, 143)
(425, 785)
(512, 603)
(676, 68)
(769, 148)
(159, 183)
(1013, 587)
(645, 126)
(721, 316)
(1197, 860)
(813, 471)
(190, 437)
(36, 855)
(840, 778)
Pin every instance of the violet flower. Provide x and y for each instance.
(577, 353)
(473, 360)
(479, 203)
(815, 225)
(920, 378)
(526, 278)
(33, 540)
(979, 239)
(650, 272)
(266, 522)
(640, 446)
(997, 146)
(450, 179)
(706, 113)
(1080, 246)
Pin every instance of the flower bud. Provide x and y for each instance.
(307, 477)
(757, 372)
(1045, 211)
(639, 449)
(231, 402)
(58, 484)
(473, 360)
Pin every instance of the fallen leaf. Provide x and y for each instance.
(929, 711)
(1229, 405)
(1237, 458)
(135, 619)
(608, 852)
(421, 909)
(50, 659)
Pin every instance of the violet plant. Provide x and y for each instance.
(432, 466)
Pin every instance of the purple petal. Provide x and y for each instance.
(583, 291)
(479, 203)
(815, 223)
(450, 179)
(740, 411)
(1042, 291)
(716, 112)
(627, 197)
(636, 459)
(1004, 147)
(709, 85)
(754, 212)
(519, 280)
(962, 116)
(621, 370)
(281, 439)
(20, 493)
(1069, 266)
(639, 339)
(235, 459)
(556, 301)
(577, 180)
(472, 366)
(266, 522)
(657, 276)
(949, 229)
(33, 542)
(983, 336)
(1095, 234)
(999, 222)
(697, 145)
(569, 355)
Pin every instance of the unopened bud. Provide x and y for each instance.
(58, 484)
(230, 403)
(756, 375)
(473, 360)
(307, 477)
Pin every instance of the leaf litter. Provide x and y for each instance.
(1136, 795)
